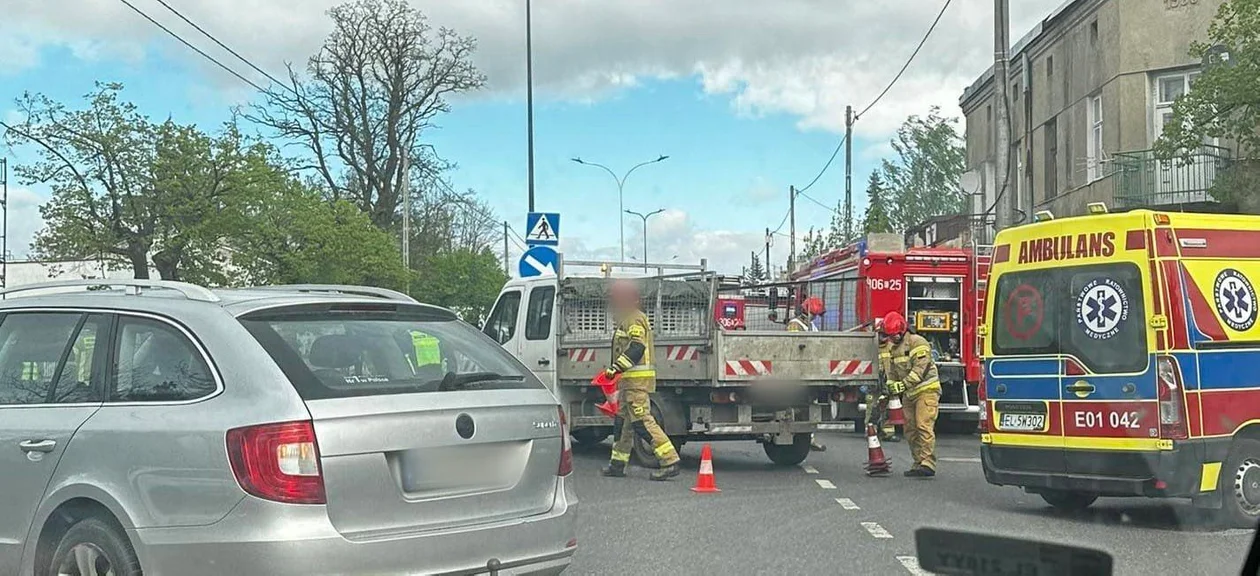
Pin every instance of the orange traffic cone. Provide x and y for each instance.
(705, 482)
(607, 386)
(877, 465)
(896, 416)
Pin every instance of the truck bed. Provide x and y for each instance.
(737, 358)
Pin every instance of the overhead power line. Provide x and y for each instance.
(216, 41)
(881, 95)
(908, 61)
(191, 47)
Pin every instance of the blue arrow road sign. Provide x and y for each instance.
(542, 229)
(539, 261)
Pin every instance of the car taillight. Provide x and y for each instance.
(1172, 401)
(982, 396)
(278, 462)
(566, 448)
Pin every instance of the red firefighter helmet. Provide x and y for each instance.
(813, 306)
(894, 324)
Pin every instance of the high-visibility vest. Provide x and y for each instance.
(427, 349)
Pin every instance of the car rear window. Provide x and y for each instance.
(1093, 313)
(337, 352)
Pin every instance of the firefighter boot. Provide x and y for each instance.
(614, 469)
(666, 472)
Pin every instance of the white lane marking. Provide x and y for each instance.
(825, 484)
(876, 530)
(809, 469)
(911, 564)
(847, 504)
(965, 460)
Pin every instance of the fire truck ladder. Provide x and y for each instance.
(982, 258)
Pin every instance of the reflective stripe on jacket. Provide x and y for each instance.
(911, 364)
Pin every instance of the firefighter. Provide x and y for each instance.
(912, 374)
(810, 309)
(632, 358)
(877, 399)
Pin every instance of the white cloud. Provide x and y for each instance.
(807, 58)
(674, 238)
(24, 219)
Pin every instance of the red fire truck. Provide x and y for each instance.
(940, 290)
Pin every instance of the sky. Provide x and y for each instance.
(746, 98)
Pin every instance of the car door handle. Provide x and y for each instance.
(37, 445)
(1081, 388)
(543, 362)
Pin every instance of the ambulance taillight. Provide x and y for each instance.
(1172, 401)
(982, 397)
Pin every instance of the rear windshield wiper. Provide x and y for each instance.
(454, 381)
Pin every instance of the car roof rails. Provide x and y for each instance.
(371, 291)
(131, 286)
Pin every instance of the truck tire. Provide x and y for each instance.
(1239, 484)
(788, 454)
(591, 437)
(1068, 501)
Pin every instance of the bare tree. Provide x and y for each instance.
(378, 82)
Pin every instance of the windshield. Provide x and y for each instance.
(1092, 313)
(342, 354)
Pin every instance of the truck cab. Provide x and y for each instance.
(523, 321)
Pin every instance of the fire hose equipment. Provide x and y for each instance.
(609, 387)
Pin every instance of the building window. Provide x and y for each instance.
(1093, 33)
(1167, 89)
(1094, 148)
(1049, 66)
(1052, 158)
(990, 128)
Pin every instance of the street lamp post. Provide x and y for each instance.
(645, 219)
(621, 184)
(529, 96)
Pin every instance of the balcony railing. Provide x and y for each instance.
(1144, 180)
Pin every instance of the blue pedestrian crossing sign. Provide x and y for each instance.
(539, 261)
(543, 229)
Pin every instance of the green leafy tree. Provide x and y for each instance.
(294, 236)
(923, 179)
(1224, 103)
(466, 281)
(132, 191)
(878, 217)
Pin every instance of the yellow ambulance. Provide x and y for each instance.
(1122, 358)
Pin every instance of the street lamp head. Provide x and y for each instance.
(577, 159)
(662, 158)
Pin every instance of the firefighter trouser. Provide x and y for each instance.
(877, 414)
(920, 414)
(635, 419)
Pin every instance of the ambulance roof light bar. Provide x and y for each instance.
(1043, 216)
(1097, 207)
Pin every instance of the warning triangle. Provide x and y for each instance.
(542, 231)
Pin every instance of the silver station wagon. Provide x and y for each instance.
(166, 429)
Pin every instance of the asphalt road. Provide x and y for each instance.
(827, 517)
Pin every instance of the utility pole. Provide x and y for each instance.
(4, 232)
(792, 228)
(406, 220)
(506, 270)
(848, 173)
(767, 266)
(529, 95)
(1001, 83)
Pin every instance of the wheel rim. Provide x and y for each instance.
(85, 559)
(1247, 486)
